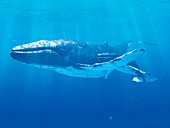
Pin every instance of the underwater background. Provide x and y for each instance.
(36, 98)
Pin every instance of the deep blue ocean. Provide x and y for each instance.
(37, 98)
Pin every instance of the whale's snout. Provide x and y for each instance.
(43, 52)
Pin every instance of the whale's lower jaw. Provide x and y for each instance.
(39, 57)
(73, 72)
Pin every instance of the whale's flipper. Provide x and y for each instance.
(121, 64)
(109, 66)
(116, 62)
(128, 57)
(140, 76)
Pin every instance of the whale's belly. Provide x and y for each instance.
(74, 72)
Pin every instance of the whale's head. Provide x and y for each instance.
(44, 53)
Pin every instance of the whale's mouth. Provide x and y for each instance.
(33, 51)
(36, 56)
(21, 50)
(41, 52)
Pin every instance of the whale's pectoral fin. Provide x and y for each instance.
(128, 57)
(116, 62)
(140, 76)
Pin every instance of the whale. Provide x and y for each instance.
(82, 59)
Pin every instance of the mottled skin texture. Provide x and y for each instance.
(80, 59)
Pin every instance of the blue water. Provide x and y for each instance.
(35, 98)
